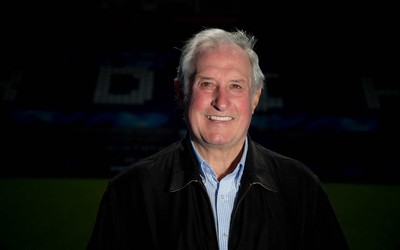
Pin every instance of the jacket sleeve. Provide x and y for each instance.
(317, 223)
(328, 231)
(106, 229)
(311, 214)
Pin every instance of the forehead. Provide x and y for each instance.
(224, 57)
(224, 49)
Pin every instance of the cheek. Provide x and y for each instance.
(194, 108)
(244, 106)
(199, 101)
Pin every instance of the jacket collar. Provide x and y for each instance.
(257, 169)
(186, 170)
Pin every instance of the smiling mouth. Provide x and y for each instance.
(219, 118)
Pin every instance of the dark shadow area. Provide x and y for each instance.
(87, 89)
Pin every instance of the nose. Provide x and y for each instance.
(221, 100)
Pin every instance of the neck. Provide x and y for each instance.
(222, 160)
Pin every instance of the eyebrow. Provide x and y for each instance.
(211, 78)
(237, 81)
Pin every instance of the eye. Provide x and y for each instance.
(236, 86)
(207, 85)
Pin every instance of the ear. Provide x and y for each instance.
(256, 99)
(178, 90)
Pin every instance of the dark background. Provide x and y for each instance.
(331, 99)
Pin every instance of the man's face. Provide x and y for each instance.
(220, 108)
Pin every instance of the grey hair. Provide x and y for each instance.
(209, 38)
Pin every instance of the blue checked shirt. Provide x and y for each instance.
(222, 194)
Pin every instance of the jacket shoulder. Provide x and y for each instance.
(284, 166)
(147, 167)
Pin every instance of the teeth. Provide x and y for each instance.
(219, 118)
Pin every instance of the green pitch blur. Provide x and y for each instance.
(48, 213)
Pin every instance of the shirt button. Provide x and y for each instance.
(222, 197)
(225, 235)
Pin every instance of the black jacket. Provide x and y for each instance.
(161, 203)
